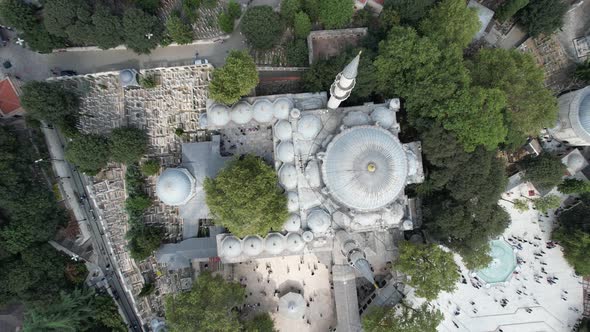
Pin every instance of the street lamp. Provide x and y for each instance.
(149, 35)
(20, 41)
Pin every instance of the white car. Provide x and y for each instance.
(201, 61)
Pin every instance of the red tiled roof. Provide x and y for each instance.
(9, 101)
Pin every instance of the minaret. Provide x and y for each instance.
(344, 83)
(355, 256)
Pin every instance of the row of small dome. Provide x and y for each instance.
(273, 244)
(318, 221)
(262, 111)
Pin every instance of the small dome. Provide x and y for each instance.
(253, 245)
(309, 126)
(394, 104)
(262, 111)
(292, 201)
(218, 115)
(282, 107)
(584, 111)
(203, 122)
(318, 221)
(288, 176)
(286, 152)
(231, 247)
(293, 224)
(295, 242)
(383, 116)
(274, 243)
(307, 236)
(355, 119)
(127, 77)
(295, 113)
(241, 113)
(575, 161)
(407, 225)
(175, 186)
(312, 174)
(283, 130)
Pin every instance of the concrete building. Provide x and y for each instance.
(573, 125)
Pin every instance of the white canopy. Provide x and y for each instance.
(292, 305)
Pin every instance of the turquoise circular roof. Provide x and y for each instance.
(502, 265)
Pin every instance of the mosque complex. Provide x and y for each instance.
(343, 170)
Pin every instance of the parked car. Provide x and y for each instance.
(201, 61)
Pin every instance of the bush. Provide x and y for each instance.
(543, 16)
(210, 4)
(546, 203)
(148, 81)
(302, 25)
(297, 54)
(574, 186)
(544, 171)
(288, 10)
(49, 102)
(521, 204)
(226, 22)
(235, 79)
(147, 289)
(128, 145)
(262, 27)
(509, 8)
(190, 9)
(179, 132)
(89, 152)
(137, 205)
(180, 32)
(150, 167)
(234, 9)
(335, 14)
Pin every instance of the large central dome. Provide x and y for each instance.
(365, 168)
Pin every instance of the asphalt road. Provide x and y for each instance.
(75, 185)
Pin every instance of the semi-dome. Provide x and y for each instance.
(262, 111)
(293, 224)
(383, 116)
(286, 152)
(292, 201)
(355, 119)
(203, 122)
(218, 115)
(318, 221)
(231, 247)
(175, 186)
(241, 113)
(288, 176)
(274, 243)
(253, 245)
(295, 242)
(283, 130)
(584, 112)
(309, 126)
(365, 168)
(282, 107)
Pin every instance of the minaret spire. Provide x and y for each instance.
(344, 83)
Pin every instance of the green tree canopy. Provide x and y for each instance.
(190, 9)
(89, 152)
(302, 25)
(431, 269)
(150, 167)
(509, 8)
(402, 318)
(49, 102)
(226, 22)
(142, 32)
(531, 106)
(106, 314)
(576, 246)
(574, 186)
(544, 171)
(546, 203)
(260, 323)
(128, 145)
(312, 8)
(451, 24)
(70, 19)
(410, 11)
(542, 16)
(71, 313)
(245, 197)
(235, 79)
(144, 240)
(296, 53)
(234, 9)
(208, 306)
(477, 257)
(288, 10)
(180, 32)
(108, 28)
(335, 14)
(262, 27)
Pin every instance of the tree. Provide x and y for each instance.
(234, 9)
(477, 257)
(576, 246)
(148, 6)
(136, 205)
(180, 32)
(236, 78)
(334, 14)
(302, 25)
(509, 8)
(262, 27)
(226, 22)
(521, 205)
(583, 71)
(142, 32)
(107, 28)
(574, 186)
(431, 269)
(531, 106)
(544, 171)
(542, 16)
(209, 4)
(190, 9)
(546, 203)
(297, 55)
(49, 102)
(260, 323)
(128, 145)
(312, 8)
(71, 313)
(288, 10)
(415, 69)
(68, 18)
(208, 306)
(410, 11)
(402, 318)
(451, 24)
(106, 314)
(245, 198)
(150, 167)
(89, 152)
(40, 40)
(143, 241)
